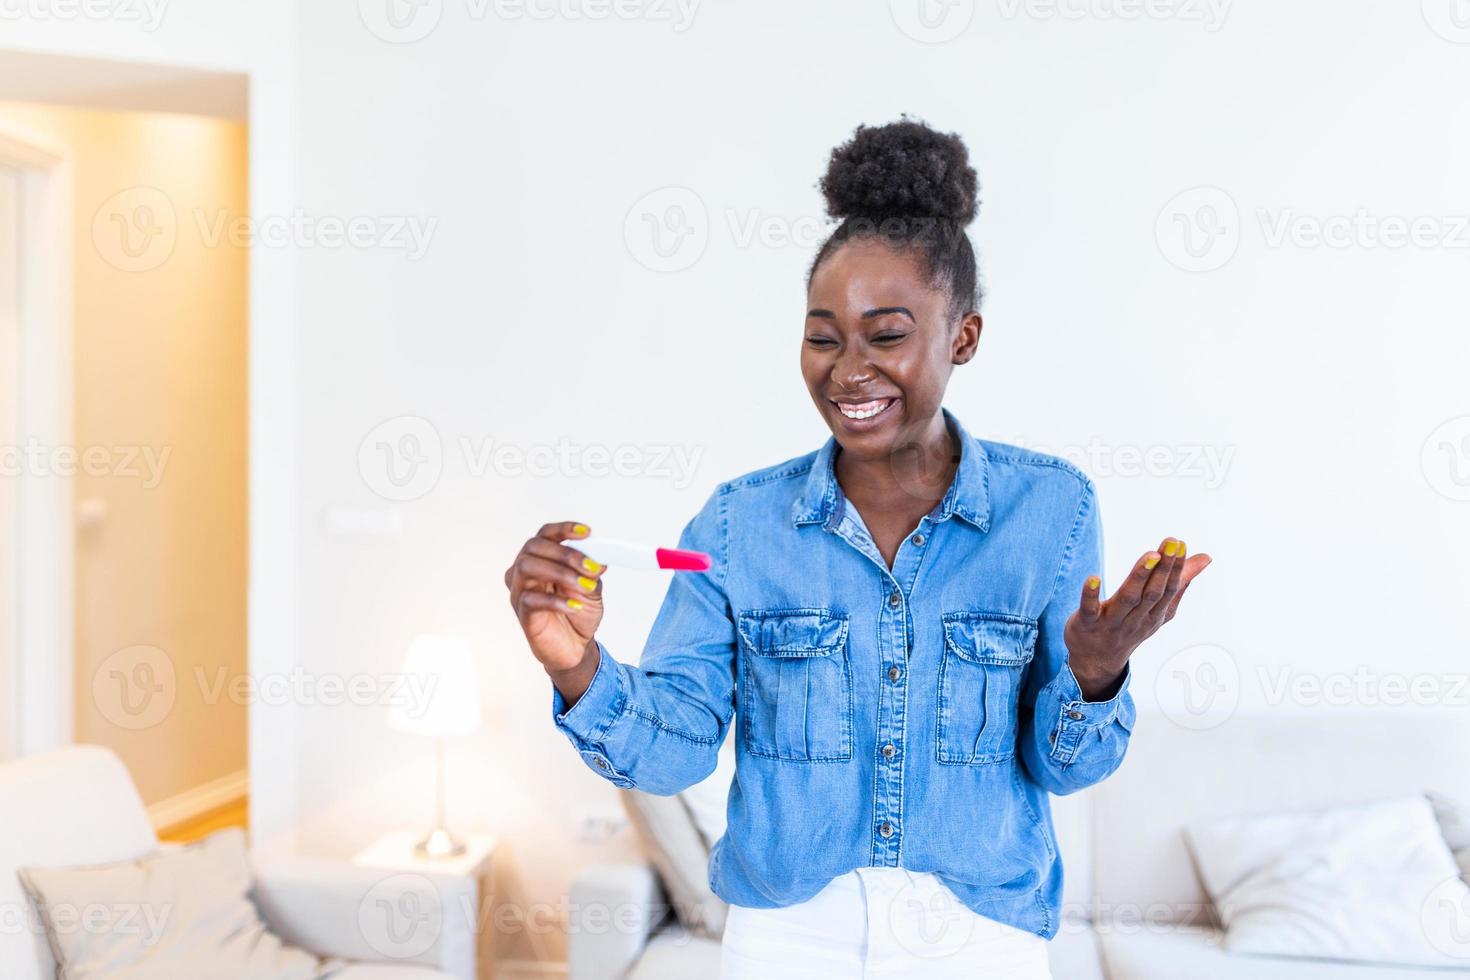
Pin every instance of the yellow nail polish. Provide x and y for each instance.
(591, 565)
(574, 604)
(586, 583)
(1151, 561)
(1181, 549)
(1093, 582)
(580, 529)
(1170, 547)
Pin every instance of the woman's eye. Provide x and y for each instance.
(888, 338)
(819, 341)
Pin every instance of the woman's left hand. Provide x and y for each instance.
(1103, 633)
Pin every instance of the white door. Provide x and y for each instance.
(10, 458)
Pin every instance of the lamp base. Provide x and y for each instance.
(440, 843)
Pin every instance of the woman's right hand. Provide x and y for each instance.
(556, 592)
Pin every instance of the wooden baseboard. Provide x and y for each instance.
(195, 803)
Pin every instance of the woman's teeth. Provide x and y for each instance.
(866, 410)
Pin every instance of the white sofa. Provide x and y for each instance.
(78, 806)
(1134, 908)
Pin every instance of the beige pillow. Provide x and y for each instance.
(173, 915)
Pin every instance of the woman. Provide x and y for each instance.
(908, 626)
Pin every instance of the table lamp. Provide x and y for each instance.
(444, 668)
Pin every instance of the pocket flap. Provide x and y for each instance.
(991, 638)
(793, 632)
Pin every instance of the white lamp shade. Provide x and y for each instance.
(440, 693)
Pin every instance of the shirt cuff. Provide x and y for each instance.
(1075, 717)
(599, 706)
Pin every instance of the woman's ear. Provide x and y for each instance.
(966, 338)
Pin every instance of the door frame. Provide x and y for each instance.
(41, 664)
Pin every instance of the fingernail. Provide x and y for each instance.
(1151, 561)
(580, 529)
(586, 583)
(1181, 549)
(1170, 547)
(574, 603)
(1093, 582)
(591, 565)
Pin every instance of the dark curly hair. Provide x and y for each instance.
(911, 187)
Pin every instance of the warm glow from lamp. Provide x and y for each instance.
(441, 699)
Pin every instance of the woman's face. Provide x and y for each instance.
(879, 339)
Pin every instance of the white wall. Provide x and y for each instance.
(1314, 375)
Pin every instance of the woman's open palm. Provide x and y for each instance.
(1103, 633)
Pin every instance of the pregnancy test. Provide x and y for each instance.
(632, 554)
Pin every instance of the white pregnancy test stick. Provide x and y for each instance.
(632, 554)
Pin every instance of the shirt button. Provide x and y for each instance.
(889, 751)
(1075, 715)
(602, 763)
(894, 598)
(918, 540)
(885, 829)
(894, 673)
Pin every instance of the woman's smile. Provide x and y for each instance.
(864, 416)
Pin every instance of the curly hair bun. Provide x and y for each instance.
(904, 169)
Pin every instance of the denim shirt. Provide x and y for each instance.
(912, 717)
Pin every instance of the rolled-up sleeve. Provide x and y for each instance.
(659, 726)
(1066, 742)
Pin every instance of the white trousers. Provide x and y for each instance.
(878, 923)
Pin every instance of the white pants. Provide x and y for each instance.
(878, 922)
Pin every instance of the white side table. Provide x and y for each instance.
(395, 852)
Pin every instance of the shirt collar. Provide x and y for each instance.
(968, 496)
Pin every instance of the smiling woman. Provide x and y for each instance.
(905, 629)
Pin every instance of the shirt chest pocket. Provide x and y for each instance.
(985, 657)
(796, 685)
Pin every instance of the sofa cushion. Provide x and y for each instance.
(173, 915)
(1162, 952)
(73, 806)
(1343, 883)
(1253, 763)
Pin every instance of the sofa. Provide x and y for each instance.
(78, 806)
(1134, 908)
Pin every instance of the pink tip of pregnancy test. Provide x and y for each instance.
(682, 561)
